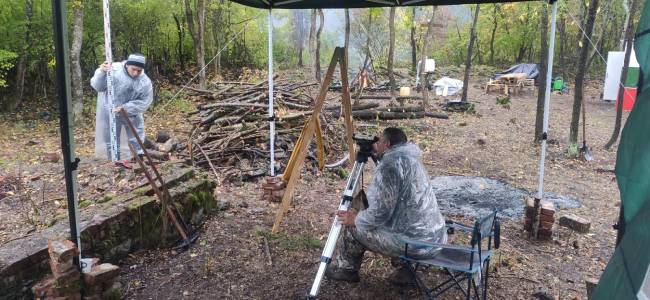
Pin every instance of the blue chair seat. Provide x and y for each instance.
(455, 259)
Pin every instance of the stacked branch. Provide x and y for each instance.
(231, 134)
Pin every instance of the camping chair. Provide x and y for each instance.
(458, 262)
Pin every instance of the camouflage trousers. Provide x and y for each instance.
(353, 244)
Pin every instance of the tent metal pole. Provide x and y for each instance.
(271, 114)
(547, 101)
(70, 162)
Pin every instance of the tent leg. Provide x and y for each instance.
(271, 114)
(65, 117)
(547, 100)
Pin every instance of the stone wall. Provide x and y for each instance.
(109, 230)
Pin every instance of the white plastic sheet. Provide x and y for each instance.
(446, 86)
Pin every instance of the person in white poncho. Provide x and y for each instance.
(133, 93)
(401, 204)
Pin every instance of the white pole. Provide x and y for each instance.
(271, 115)
(547, 100)
(109, 81)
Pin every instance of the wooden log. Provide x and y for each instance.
(386, 115)
(437, 115)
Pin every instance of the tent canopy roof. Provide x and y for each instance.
(302, 4)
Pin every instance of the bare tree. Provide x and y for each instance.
(312, 45)
(198, 34)
(414, 59)
(75, 59)
(21, 68)
(423, 59)
(217, 34)
(391, 50)
(495, 23)
(629, 34)
(543, 61)
(579, 81)
(299, 33)
(468, 60)
(626, 7)
(347, 34)
(321, 17)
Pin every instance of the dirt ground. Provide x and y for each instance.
(230, 260)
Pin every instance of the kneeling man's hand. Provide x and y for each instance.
(347, 218)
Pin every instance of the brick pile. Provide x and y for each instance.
(66, 282)
(273, 188)
(102, 283)
(546, 217)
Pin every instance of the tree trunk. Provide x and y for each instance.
(318, 33)
(21, 68)
(368, 34)
(347, 35)
(414, 59)
(299, 34)
(562, 29)
(541, 90)
(197, 35)
(181, 36)
(494, 30)
(468, 60)
(629, 33)
(75, 61)
(216, 35)
(626, 7)
(391, 51)
(579, 81)
(425, 52)
(312, 45)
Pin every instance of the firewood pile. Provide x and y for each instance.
(231, 127)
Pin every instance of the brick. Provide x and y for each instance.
(274, 185)
(548, 208)
(576, 223)
(62, 251)
(546, 218)
(101, 273)
(60, 268)
(546, 225)
(41, 288)
(544, 232)
(68, 283)
(274, 179)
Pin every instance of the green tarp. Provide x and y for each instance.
(626, 275)
(304, 4)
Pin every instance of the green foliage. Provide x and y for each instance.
(505, 100)
(6, 63)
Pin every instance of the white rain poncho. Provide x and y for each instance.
(401, 204)
(134, 95)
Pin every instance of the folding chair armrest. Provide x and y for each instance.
(458, 226)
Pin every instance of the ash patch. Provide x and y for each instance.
(477, 196)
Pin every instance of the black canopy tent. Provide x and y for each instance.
(303, 4)
(62, 70)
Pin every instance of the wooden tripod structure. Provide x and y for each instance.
(299, 153)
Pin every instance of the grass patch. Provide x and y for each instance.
(290, 242)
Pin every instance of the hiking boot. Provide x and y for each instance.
(401, 277)
(339, 274)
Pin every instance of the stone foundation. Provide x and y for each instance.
(109, 231)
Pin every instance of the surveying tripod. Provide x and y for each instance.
(365, 151)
